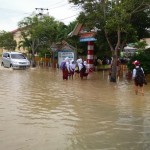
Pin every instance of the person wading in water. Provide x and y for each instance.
(138, 77)
(65, 68)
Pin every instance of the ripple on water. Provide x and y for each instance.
(43, 112)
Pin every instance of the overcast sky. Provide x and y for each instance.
(13, 11)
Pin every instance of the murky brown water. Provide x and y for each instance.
(40, 111)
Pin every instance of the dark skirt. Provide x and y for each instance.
(72, 72)
(83, 74)
(65, 74)
(139, 81)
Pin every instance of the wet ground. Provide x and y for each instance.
(40, 111)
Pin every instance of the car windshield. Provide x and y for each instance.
(17, 56)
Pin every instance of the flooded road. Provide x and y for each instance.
(40, 111)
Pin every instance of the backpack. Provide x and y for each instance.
(83, 68)
(105, 61)
(139, 75)
(63, 65)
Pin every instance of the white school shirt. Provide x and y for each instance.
(72, 67)
(80, 66)
(67, 65)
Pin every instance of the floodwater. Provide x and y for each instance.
(40, 111)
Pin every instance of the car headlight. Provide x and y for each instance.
(14, 62)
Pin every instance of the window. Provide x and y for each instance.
(5, 55)
(17, 56)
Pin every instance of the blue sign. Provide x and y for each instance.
(87, 39)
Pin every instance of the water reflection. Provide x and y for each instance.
(38, 110)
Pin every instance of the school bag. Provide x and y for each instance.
(104, 61)
(139, 77)
(83, 68)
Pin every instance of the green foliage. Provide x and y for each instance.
(140, 45)
(144, 59)
(39, 33)
(141, 22)
(6, 41)
(44, 53)
(116, 18)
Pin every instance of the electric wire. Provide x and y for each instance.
(68, 17)
(57, 3)
(27, 13)
(20, 13)
(58, 6)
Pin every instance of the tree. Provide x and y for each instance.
(38, 33)
(6, 41)
(114, 19)
(141, 23)
(140, 45)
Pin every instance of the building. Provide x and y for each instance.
(61, 50)
(18, 38)
(147, 40)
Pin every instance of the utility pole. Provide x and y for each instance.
(40, 12)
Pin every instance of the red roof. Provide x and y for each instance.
(14, 31)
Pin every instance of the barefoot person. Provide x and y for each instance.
(83, 69)
(138, 76)
(76, 71)
(72, 66)
(65, 68)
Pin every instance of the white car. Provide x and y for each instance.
(15, 60)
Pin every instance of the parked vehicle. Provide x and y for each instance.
(15, 60)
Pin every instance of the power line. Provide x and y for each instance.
(69, 17)
(19, 11)
(40, 11)
(59, 6)
(57, 3)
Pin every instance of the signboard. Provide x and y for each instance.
(63, 55)
(87, 39)
(87, 36)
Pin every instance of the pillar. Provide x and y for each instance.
(90, 56)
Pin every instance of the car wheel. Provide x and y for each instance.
(2, 64)
(11, 66)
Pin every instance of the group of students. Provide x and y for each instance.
(70, 68)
